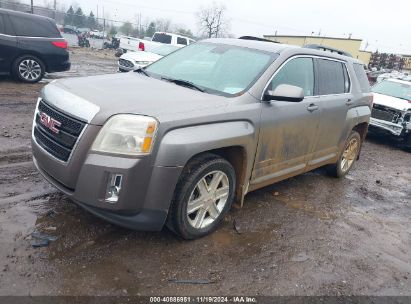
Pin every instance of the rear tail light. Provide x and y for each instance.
(141, 46)
(60, 44)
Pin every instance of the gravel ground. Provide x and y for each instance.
(309, 235)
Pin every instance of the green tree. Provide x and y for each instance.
(91, 21)
(79, 18)
(69, 16)
(151, 29)
(126, 28)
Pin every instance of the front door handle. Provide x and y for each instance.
(349, 102)
(312, 107)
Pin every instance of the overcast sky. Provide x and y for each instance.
(385, 25)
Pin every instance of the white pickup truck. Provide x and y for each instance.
(135, 44)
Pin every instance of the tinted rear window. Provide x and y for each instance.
(362, 77)
(34, 27)
(163, 38)
(331, 78)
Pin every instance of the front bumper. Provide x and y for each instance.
(394, 129)
(144, 198)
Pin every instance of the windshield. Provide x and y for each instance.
(164, 50)
(215, 68)
(394, 89)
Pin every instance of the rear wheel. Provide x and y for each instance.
(203, 196)
(28, 68)
(348, 156)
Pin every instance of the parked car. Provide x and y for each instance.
(132, 61)
(177, 142)
(96, 34)
(391, 113)
(135, 44)
(70, 29)
(30, 46)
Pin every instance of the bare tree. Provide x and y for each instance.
(163, 24)
(212, 21)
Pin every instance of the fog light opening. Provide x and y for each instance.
(113, 188)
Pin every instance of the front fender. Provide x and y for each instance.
(179, 145)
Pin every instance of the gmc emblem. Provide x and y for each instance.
(49, 123)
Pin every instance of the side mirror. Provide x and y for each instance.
(285, 92)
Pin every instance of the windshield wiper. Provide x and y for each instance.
(183, 83)
(142, 71)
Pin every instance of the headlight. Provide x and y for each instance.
(126, 134)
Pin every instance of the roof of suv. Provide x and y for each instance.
(27, 15)
(278, 48)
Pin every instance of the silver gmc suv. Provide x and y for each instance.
(177, 142)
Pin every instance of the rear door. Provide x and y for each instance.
(8, 44)
(334, 85)
(288, 129)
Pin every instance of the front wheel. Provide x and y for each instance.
(348, 156)
(203, 196)
(28, 68)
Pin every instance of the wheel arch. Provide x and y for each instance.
(237, 157)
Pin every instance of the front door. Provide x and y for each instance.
(288, 129)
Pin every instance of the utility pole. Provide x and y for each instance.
(32, 8)
(140, 28)
(55, 9)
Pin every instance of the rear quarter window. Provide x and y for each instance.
(34, 27)
(5, 25)
(362, 77)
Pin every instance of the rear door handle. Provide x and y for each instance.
(349, 102)
(312, 107)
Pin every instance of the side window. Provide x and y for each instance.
(5, 25)
(347, 83)
(182, 41)
(362, 77)
(331, 78)
(34, 27)
(2, 30)
(297, 72)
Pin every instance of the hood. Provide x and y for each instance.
(141, 56)
(97, 98)
(392, 102)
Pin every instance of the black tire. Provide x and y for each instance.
(194, 171)
(337, 170)
(25, 77)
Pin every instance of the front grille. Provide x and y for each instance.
(126, 63)
(60, 144)
(382, 115)
(385, 113)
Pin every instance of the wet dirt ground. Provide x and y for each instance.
(309, 235)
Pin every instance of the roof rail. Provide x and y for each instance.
(257, 39)
(327, 48)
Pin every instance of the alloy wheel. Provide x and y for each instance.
(30, 69)
(208, 199)
(349, 154)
